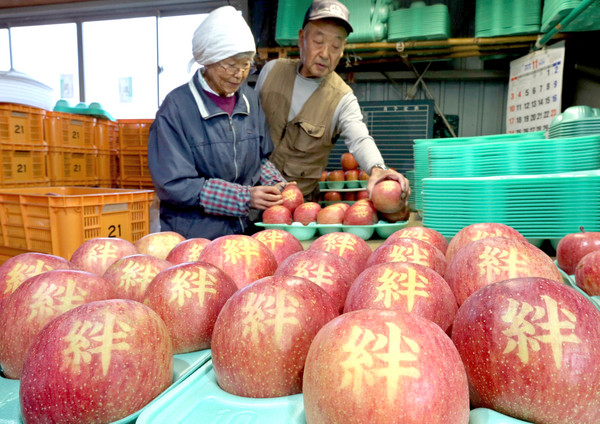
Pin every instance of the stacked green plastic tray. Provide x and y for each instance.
(410, 175)
(290, 16)
(556, 10)
(495, 18)
(421, 153)
(545, 206)
(575, 121)
(523, 157)
(368, 19)
(419, 22)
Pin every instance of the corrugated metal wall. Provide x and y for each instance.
(479, 104)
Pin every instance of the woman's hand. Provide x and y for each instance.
(263, 197)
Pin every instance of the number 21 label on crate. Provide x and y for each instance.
(534, 90)
(115, 221)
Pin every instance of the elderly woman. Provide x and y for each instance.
(208, 146)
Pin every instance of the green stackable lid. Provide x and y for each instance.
(556, 10)
(419, 22)
(575, 121)
(495, 18)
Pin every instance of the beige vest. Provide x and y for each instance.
(302, 145)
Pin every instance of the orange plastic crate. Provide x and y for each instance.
(106, 136)
(23, 165)
(73, 166)
(133, 133)
(21, 125)
(57, 220)
(63, 129)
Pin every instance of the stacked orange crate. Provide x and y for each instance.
(133, 153)
(22, 146)
(72, 156)
(106, 139)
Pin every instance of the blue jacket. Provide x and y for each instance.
(192, 140)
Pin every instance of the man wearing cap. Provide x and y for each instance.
(308, 105)
(209, 145)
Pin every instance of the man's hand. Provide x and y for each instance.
(378, 174)
(263, 197)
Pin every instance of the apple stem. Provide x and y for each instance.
(581, 229)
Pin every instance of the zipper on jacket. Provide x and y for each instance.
(235, 160)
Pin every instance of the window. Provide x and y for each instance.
(175, 50)
(120, 66)
(48, 53)
(4, 50)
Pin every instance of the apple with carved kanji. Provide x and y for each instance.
(292, 197)
(131, 275)
(492, 259)
(25, 265)
(97, 254)
(306, 213)
(404, 286)
(263, 333)
(36, 302)
(587, 273)
(360, 214)
(187, 250)
(410, 250)
(426, 234)
(347, 245)
(327, 270)
(386, 196)
(243, 258)
(530, 349)
(384, 367)
(99, 362)
(277, 214)
(188, 297)
(159, 244)
(572, 247)
(280, 242)
(478, 231)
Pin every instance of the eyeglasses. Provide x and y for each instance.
(233, 69)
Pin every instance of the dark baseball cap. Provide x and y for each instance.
(329, 9)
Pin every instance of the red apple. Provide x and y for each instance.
(494, 259)
(188, 297)
(243, 258)
(349, 196)
(332, 214)
(292, 197)
(262, 335)
(573, 247)
(187, 250)
(332, 196)
(362, 175)
(306, 213)
(348, 162)
(277, 214)
(410, 250)
(280, 242)
(428, 235)
(347, 245)
(97, 254)
(362, 194)
(360, 214)
(366, 202)
(402, 215)
(336, 175)
(323, 175)
(404, 286)
(99, 362)
(351, 175)
(327, 270)
(130, 275)
(159, 244)
(530, 349)
(587, 273)
(478, 231)
(386, 196)
(36, 302)
(384, 366)
(25, 265)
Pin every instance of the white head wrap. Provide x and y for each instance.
(224, 33)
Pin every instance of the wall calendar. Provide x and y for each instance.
(534, 90)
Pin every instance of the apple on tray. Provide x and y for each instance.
(292, 197)
(306, 213)
(277, 214)
(332, 214)
(587, 273)
(348, 162)
(159, 244)
(573, 247)
(332, 196)
(360, 214)
(98, 362)
(336, 179)
(384, 366)
(530, 350)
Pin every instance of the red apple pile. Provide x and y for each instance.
(187, 250)
(159, 244)
(97, 254)
(402, 249)
(478, 231)
(587, 273)
(280, 242)
(573, 247)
